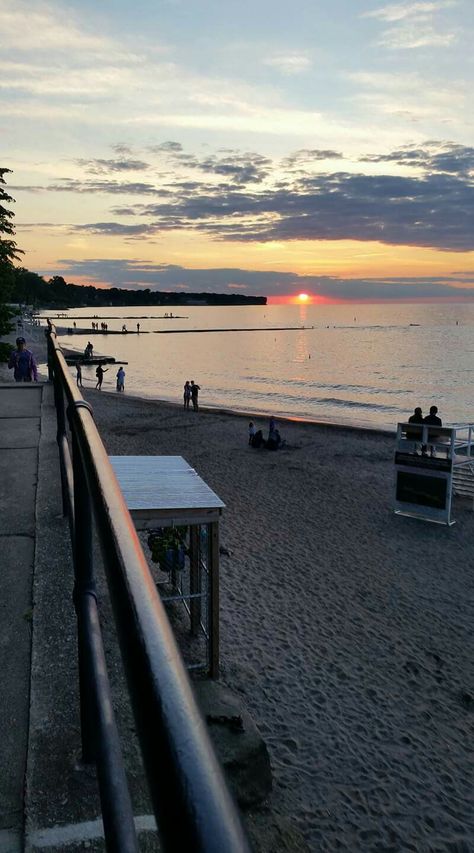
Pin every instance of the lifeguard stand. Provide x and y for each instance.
(164, 491)
(428, 460)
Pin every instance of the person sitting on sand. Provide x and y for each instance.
(258, 439)
(274, 438)
(100, 377)
(251, 432)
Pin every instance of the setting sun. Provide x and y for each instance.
(303, 297)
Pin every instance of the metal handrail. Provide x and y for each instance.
(193, 807)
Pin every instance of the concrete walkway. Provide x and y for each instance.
(20, 411)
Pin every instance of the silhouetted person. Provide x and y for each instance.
(433, 419)
(78, 375)
(100, 377)
(415, 418)
(195, 389)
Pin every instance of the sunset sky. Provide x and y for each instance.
(243, 146)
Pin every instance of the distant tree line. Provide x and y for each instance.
(29, 288)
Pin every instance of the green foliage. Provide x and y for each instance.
(5, 350)
(9, 252)
(167, 546)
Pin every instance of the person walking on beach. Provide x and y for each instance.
(195, 389)
(187, 394)
(138, 328)
(100, 377)
(120, 379)
(78, 375)
(23, 363)
(251, 431)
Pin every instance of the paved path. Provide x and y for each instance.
(20, 410)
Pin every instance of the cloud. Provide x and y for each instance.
(448, 157)
(140, 274)
(433, 210)
(71, 185)
(413, 24)
(100, 167)
(290, 63)
(258, 202)
(401, 11)
(167, 147)
(307, 156)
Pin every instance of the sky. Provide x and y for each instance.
(246, 146)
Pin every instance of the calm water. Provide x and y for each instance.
(361, 364)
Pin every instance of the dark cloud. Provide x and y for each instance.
(70, 185)
(156, 276)
(448, 157)
(101, 167)
(115, 228)
(122, 150)
(306, 156)
(433, 210)
(167, 147)
(237, 168)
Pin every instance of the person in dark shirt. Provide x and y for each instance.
(23, 363)
(432, 419)
(415, 418)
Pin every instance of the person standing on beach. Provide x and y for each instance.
(78, 375)
(120, 379)
(138, 328)
(23, 363)
(100, 377)
(195, 389)
(187, 394)
(251, 431)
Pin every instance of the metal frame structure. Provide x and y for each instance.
(191, 801)
(426, 457)
(164, 491)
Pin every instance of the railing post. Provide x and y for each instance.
(61, 437)
(214, 599)
(50, 351)
(84, 585)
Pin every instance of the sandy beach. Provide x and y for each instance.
(347, 630)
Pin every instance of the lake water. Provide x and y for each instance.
(362, 364)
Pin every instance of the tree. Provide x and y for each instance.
(9, 252)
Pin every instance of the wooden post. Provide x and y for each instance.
(195, 585)
(214, 600)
